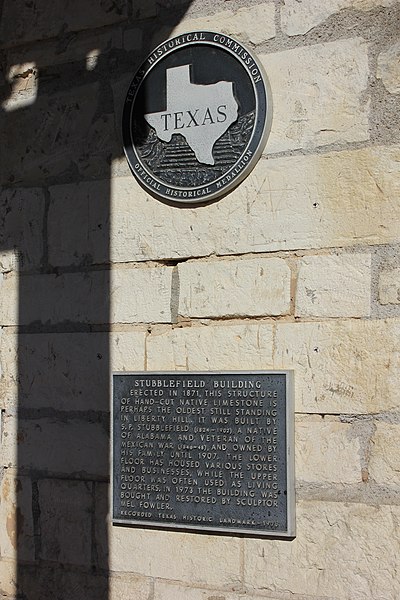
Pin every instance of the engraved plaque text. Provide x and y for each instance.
(204, 450)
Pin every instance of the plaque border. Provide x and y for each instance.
(290, 532)
(256, 145)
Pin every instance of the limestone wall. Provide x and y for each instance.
(298, 268)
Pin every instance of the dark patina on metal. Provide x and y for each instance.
(209, 451)
(196, 118)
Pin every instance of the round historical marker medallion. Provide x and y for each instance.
(196, 118)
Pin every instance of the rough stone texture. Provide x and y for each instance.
(70, 132)
(124, 296)
(315, 105)
(384, 465)
(22, 22)
(141, 295)
(297, 202)
(185, 557)
(72, 446)
(337, 199)
(9, 299)
(102, 518)
(71, 208)
(53, 52)
(145, 9)
(327, 451)
(300, 17)
(132, 39)
(8, 455)
(16, 517)
(341, 367)
(8, 578)
(338, 553)
(172, 591)
(22, 75)
(119, 166)
(254, 24)
(73, 240)
(24, 86)
(51, 373)
(123, 586)
(65, 521)
(62, 582)
(249, 287)
(389, 68)
(22, 217)
(389, 286)
(209, 348)
(334, 286)
(8, 370)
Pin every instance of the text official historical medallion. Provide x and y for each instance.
(196, 118)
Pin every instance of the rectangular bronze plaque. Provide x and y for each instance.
(210, 451)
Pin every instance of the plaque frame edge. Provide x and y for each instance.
(289, 534)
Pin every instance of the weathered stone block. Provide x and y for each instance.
(141, 295)
(254, 24)
(22, 75)
(209, 348)
(21, 244)
(52, 52)
(315, 105)
(124, 585)
(79, 217)
(65, 521)
(164, 590)
(334, 286)
(327, 451)
(384, 465)
(248, 287)
(338, 199)
(103, 516)
(119, 165)
(389, 286)
(332, 200)
(127, 350)
(146, 9)
(8, 370)
(16, 519)
(194, 559)
(23, 80)
(9, 425)
(8, 578)
(332, 538)
(45, 370)
(9, 296)
(137, 296)
(72, 131)
(341, 367)
(141, 227)
(39, 20)
(73, 446)
(299, 17)
(61, 581)
(389, 68)
(133, 39)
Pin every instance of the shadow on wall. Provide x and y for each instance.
(66, 68)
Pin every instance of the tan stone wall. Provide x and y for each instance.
(298, 268)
